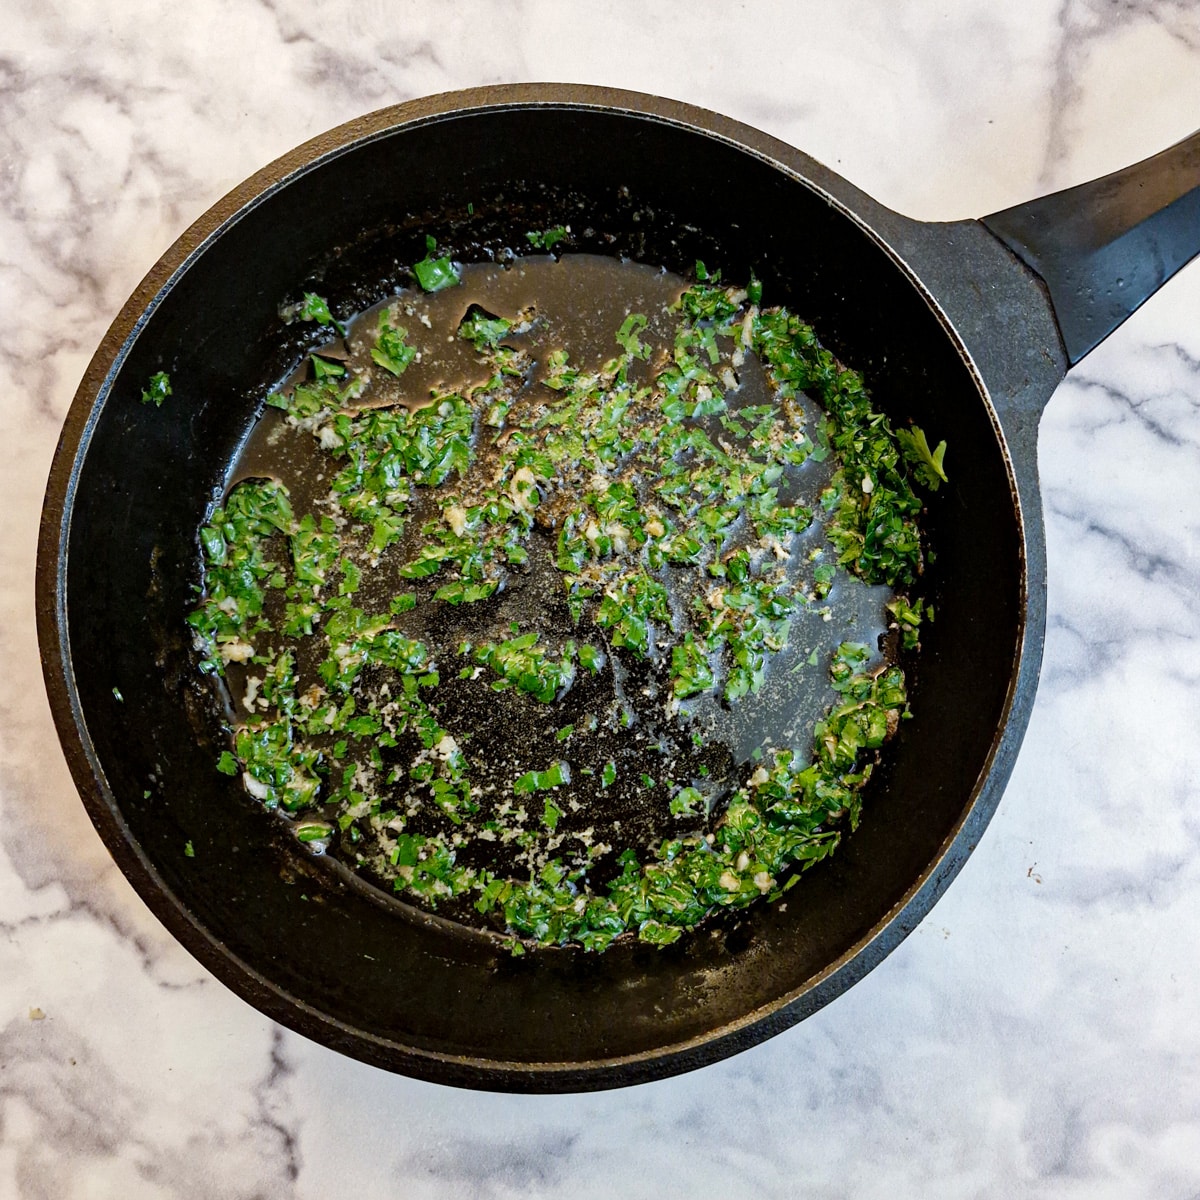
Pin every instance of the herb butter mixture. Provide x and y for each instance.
(529, 649)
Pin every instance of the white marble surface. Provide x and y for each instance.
(1038, 1035)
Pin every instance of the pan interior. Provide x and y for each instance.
(327, 958)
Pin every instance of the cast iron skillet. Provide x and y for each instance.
(965, 328)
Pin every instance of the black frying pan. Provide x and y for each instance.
(965, 328)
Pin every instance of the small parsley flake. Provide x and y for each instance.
(157, 390)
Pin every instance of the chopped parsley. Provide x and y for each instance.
(482, 331)
(315, 308)
(927, 464)
(434, 274)
(157, 390)
(391, 351)
(665, 504)
(547, 239)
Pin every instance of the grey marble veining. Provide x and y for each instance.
(1037, 1035)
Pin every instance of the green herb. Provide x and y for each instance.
(157, 390)
(926, 463)
(590, 657)
(189, 851)
(908, 620)
(313, 831)
(482, 331)
(689, 667)
(547, 239)
(434, 274)
(627, 336)
(553, 776)
(523, 663)
(678, 555)
(391, 351)
(324, 369)
(687, 802)
(314, 308)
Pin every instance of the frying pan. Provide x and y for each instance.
(965, 328)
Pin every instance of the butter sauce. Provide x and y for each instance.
(616, 747)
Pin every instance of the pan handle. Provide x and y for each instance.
(1104, 248)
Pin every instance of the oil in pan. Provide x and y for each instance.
(542, 603)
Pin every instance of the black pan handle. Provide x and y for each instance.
(1104, 248)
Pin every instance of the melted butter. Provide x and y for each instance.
(624, 715)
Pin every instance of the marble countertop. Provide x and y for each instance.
(1037, 1035)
